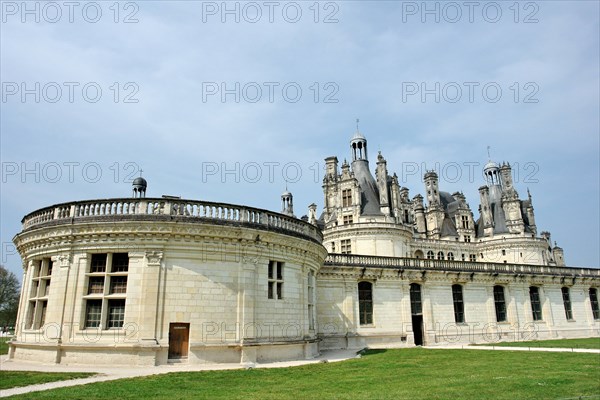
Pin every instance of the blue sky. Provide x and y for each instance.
(217, 109)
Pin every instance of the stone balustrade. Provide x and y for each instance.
(173, 208)
(355, 260)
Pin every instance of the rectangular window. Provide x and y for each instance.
(567, 303)
(500, 304)
(120, 262)
(275, 281)
(365, 303)
(96, 285)
(49, 268)
(43, 307)
(107, 277)
(459, 307)
(472, 257)
(40, 289)
(346, 198)
(536, 307)
(346, 246)
(93, 313)
(116, 313)
(465, 221)
(467, 239)
(416, 307)
(347, 219)
(98, 263)
(118, 284)
(594, 303)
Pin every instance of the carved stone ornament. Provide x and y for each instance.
(154, 257)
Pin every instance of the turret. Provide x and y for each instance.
(287, 204)
(559, 255)
(510, 202)
(431, 186)
(139, 187)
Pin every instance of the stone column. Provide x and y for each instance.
(146, 294)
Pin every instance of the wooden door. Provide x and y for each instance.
(179, 337)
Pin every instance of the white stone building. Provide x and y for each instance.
(145, 281)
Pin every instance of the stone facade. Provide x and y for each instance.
(111, 281)
(147, 281)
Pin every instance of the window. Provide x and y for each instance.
(333, 247)
(467, 239)
(96, 285)
(365, 303)
(465, 221)
(311, 300)
(98, 263)
(107, 276)
(40, 278)
(120, 262)
(430, 255)
(459, 307)
(500, 304)
(450, 256)
(567, 303)
(93, 313)
(503, 252)
(415, 299)
(275, 281)
(118, 284)
(116, 313)
(347, 219)
(440, 255)
(472, 257)
(462, 256)
(536, 307)
(406, 216)
(346, 198)
(594, 303)
(346, 247)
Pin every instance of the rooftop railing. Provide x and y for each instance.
(355, 260)
(175, 208)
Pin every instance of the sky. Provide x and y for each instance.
(235, 101)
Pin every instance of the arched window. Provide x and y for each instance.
(536, 306)
(430, 255)
(440, 255)
(499, 303)
(450, 256)
(459, 307)
(415, 299)
(365, 303)
(567, 302)
(418, 254)
(594, 303)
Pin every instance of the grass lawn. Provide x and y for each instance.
(4, 345)
(10, 379)
(401, 374)
(586, 343)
